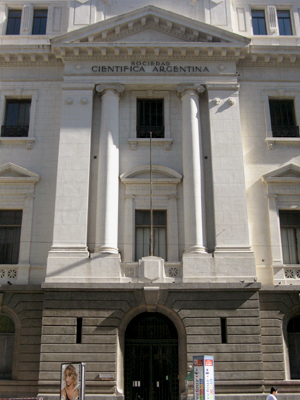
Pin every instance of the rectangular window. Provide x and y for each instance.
(39, 22)
(13, 22)
(79, 331)
(150, 118)
(142, 233)
(10, 234)
(284, 22)
(17, 115)
(223, 330)
(258, 22)
(283, 119)
(290, 236)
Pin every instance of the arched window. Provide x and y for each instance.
(293, 330)
(7, 337)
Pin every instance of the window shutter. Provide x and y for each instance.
(272, 18)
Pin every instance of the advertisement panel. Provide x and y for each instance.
(198, 377)
(209, 380)
(204, 381)
(72, 381)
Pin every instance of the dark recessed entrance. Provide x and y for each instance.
(151, 358)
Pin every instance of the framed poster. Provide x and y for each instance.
(72, 381)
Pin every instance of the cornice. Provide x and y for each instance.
(57, 53)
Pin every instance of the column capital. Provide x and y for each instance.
(115, 87)
(184, 87)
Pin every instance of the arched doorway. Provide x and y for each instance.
(293, 330)
(151, 358)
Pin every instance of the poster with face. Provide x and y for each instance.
(70, 384)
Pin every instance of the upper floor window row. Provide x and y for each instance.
(278, 20)
(39, 22)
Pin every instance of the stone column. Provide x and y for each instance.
(128, 255)
(193, 196)
(275, 236)
(233, 256)
(65, 260)
(172, 225)
(108, 171)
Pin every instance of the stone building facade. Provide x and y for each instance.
(83, 86)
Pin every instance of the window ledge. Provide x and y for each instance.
(136, 142)
(26, 141)
(272, 142)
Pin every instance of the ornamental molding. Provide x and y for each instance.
(166, 143)
(12, 173)
(161, 175)
(69, 101)
(287, 174)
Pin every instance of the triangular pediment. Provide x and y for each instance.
(288, 173)
(149, 25)
(12, 173)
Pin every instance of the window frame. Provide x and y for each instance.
(20, 102)
(265, 21)
(33, 19)
(17, 94)
(137, 198)
(142, 103)
(6, 27)
(290, 19)
(16, 228)
(27, 15)
(290, 226)
(154, 226)
(17, 193)
(283, 93)
(283, 193)
(134, 141)
(280, 103)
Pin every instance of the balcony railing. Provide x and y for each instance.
(14, 131)
(143, 132)
(285, 131)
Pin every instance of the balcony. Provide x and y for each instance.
(14, 131)
(143, 132)
(285, 131)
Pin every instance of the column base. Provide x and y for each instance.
(106, 250)
(196, 250)
(106, 267)
(81, 266)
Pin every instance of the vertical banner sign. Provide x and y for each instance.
(72, 381)
(204, 380)
(198, 378)
(209, 379)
